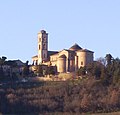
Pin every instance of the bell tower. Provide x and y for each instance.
(42, 46)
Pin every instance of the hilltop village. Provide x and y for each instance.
(67, 60)
(48, 62)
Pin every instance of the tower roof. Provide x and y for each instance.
(75, 47)
(43, 31)
(62, 56)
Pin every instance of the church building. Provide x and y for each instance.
(67, 60)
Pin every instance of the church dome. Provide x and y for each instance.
(75, 47)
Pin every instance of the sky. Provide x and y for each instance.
(93, 24)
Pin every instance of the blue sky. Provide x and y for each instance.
(93, 24)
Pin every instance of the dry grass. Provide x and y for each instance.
(112, 113)
(66, 76)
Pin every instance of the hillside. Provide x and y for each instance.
(68, 97)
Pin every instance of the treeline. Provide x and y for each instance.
(105, 69)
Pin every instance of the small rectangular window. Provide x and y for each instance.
(81, 62)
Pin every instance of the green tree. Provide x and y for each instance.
(109, 58)
(39, 70)
(50, 70)
(95, 69)
(81, 71)
(97, 72)
(116, 70)
(102, 60)
(111, 72)
(2, 61)
(26, 69)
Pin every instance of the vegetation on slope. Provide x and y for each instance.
(97, 92)
(79, 96)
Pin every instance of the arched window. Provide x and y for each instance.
(44, 46)
(39, 47)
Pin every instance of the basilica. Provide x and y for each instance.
(67, 60)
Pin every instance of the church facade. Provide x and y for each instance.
(67, 60)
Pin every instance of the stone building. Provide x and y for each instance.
(67, 60)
